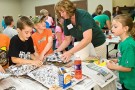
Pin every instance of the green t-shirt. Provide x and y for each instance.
(102, 20)
(84, 21)
(126, 58)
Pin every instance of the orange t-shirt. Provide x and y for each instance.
(4, 42)
(40, 41)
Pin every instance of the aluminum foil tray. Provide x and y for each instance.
(4, 75)
(55, 57)
(20, 70)
(46, 75)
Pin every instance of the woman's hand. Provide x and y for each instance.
(66, 56)
(1, 69)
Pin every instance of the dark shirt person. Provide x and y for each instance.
(79, 24)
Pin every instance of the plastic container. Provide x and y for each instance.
(78, 68)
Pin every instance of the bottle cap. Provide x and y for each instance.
(77, 62)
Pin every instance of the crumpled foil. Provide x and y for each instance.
(46, 75)
(55, 57)
(21, 69)
(4, 75)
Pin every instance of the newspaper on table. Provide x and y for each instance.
(100, 75)
(4, 75)
(86, 83)
(46, 75)
(21, 69)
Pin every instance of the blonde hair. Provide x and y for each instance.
(126, 20)
(67, 5)
(44, 12)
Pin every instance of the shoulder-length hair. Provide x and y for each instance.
(65, 5)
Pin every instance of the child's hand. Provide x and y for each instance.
(37, 63)
(41, 57)
(1, 69)
(66, 56)
(111, 65)
(55, 51)
(55, 87)
(115, 61)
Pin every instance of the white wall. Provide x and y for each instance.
(9, 7)
(123, 2)
(28, 6)
(92, 4)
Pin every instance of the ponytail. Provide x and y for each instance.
(132, 32)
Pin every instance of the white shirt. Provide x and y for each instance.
(10, 31)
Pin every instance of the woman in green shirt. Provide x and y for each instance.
(79, 24)
(123, 26)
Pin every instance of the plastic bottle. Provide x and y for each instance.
(78, 68)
